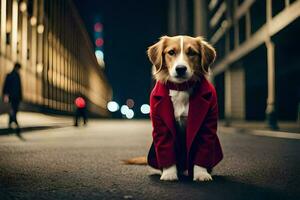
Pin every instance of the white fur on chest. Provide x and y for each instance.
(180, 100)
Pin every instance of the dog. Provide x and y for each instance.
(184, 109)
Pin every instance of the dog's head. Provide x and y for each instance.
(180, 58)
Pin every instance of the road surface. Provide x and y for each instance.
(85, 163)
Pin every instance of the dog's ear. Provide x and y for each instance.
(155, 54)
(208, 55)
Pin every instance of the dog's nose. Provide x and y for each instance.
(180, 70)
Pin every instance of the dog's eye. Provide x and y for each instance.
(191, 52)
(171, 52)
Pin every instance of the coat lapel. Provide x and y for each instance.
(198, 108)
(165, 107)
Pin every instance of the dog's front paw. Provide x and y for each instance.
(169, 174)
(201, 174)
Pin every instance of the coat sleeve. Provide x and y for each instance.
(163, 140)
(208, 148)
(5, 89)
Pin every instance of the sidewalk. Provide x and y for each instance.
(292, 127)
(290, 130)
(31, 119)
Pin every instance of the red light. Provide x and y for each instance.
(80, 102)
(99, 42)
(98, 27)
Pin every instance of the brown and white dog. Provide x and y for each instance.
(184, 145)
(180, 58)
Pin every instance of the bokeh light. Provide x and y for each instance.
(98, 27)
(99, 42)
(130, 103)
(124, 109)
(99, 54)
(129, 114)
(145, 109)
(112, 106)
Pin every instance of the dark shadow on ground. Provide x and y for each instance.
(223, 187)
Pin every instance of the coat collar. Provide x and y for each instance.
(202, 88)
(187, 85)
(199, 104)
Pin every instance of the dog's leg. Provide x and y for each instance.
(153, 171)
(201, 174)
(169, 174)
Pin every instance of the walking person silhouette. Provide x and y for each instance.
(12, 93)
(80, 112)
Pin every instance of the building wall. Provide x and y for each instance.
(49, 39)
(251, 33)
(235, 93)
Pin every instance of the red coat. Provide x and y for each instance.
(202, 144)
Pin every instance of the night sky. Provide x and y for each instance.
(129, 28)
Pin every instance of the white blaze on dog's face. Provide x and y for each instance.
(180, 58)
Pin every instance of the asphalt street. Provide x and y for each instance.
(85, 163)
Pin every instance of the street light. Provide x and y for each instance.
(33, 21)
(39, 68)
(23, 6)
(40, 28)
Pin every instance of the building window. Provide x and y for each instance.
(258, 10)
(242, 29)
(277, 6)
(231, 38)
